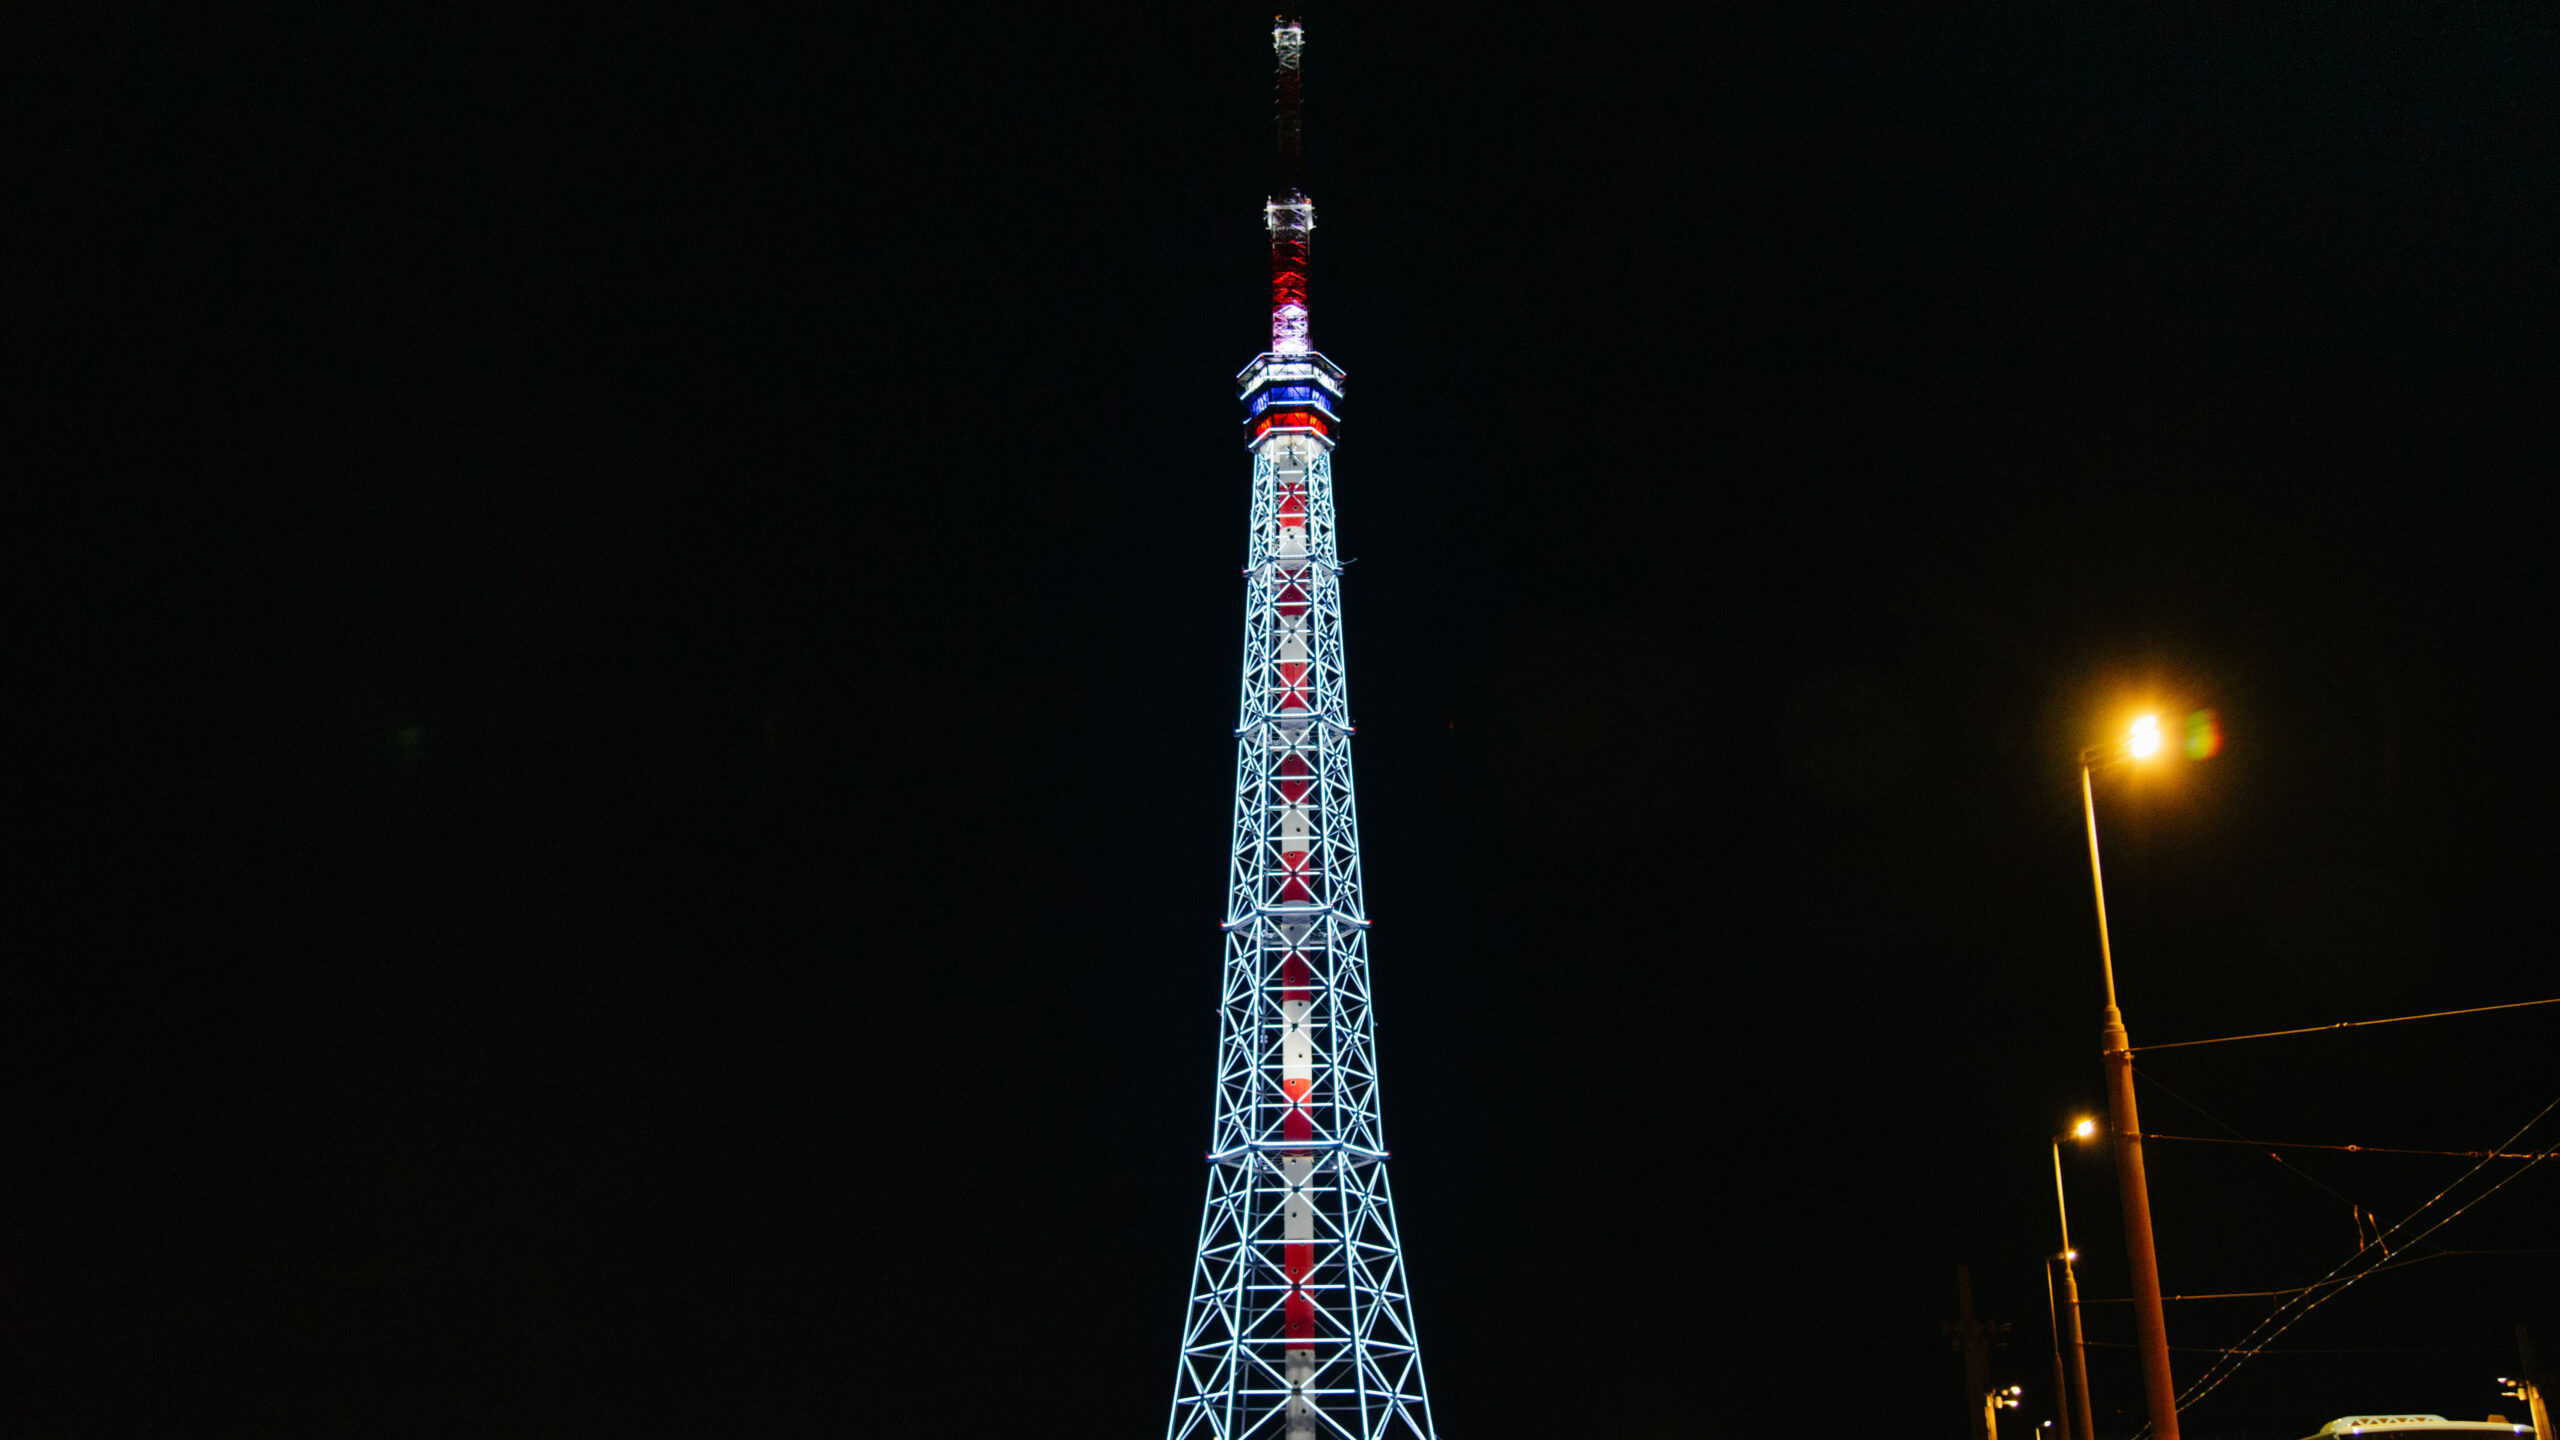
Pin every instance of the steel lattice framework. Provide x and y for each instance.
(1299, 1323)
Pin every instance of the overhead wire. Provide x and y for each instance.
(2353, 1351)
(2303, 1298)
(2358, 1149)
(2328, 1287)
(2345, 1025)
(2307, 1177)
(2298, 1289)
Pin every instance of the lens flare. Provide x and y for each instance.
(2204, 735)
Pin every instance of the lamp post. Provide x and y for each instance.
(2150, 1325)
(2061, 1387)
(2079, 1387)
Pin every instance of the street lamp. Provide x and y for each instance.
(2078, 1389)
(2144, 741)
(1993, 1402)
(2150, 1325)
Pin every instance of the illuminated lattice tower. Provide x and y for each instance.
(1299, 1325)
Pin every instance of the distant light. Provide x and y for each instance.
(2084, 1129)
(2204, 735)
(2145, 739)
(2070, 1254)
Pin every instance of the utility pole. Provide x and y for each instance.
(2529, 1387)
(1973, 1339)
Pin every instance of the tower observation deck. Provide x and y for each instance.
(1299, 1326)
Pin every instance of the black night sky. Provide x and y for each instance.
(629, 655)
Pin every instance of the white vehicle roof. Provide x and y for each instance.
(2400, 1424)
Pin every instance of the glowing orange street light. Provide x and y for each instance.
(2144, 742)
(2150, 1324)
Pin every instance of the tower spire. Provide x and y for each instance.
(1289, 215)
(1299, 1326)
(1288, 46)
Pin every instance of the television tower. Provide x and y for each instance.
(1299, 1325)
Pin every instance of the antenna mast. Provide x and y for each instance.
(1289, 215)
